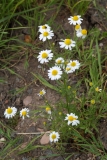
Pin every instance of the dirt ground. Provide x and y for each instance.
(29, 98)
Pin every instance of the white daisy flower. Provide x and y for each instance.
(54, 136)
(75, 20)
(45, 56)
(54, 73)
(72, 119)
(45, 27)
(97, 89)
(78, 27)
(10, 112)
(59, 61)
(82, 33)
(24, 113)
(42, 92)
(74, 64)
(67, 44)
(46, 34)
(48, 110)
(69, 69)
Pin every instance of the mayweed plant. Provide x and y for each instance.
(45, 33)
(10, 112)
(59, 72)
(48, 110)
(73, 116)
(42, 92)
(45, 56)
(24, 113)
(67, 44)
(54, 136)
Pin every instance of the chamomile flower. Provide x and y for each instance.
(54, 73)
(60, 113)
(92, 101)
(69, 69)
(54, 136)
(97, 89)
(75, 20)
(72, 119)
(90, 84)
(24, 113)
(69, 87)
(45, 56)
(48, 110)
(67, 44)
(45, 27)
(59, 61)
(82, 33)
(46, 34)
(42, 92)
(74, 64)
(78, 27)
(10, 112)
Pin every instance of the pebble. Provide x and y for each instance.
(45, 139)
(27, 100)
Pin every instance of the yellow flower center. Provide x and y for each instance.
(60, 113)
(41, 92)
(45, 34)
(92, 101)
(77, 27)
(73, 64)
(44, 27)
(44, 55)
(84, 31)
(59, 61)
(24, 113)
(68, 69)
(44, 123)
(69, 87)
(90, 83)
(48, 109)
(54, 72)
(9, 110)
(67, 41)
(53, 136)
(71, 118)
(97, 89)
(75, 18)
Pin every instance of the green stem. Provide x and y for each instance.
(66, 95)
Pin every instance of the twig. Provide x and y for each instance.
(34, 133)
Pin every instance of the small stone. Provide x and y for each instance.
(23, 145)
(40, 130)
(45, 139)
(39, 66)
(2, 140)
(27, 100)
(101, 45)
